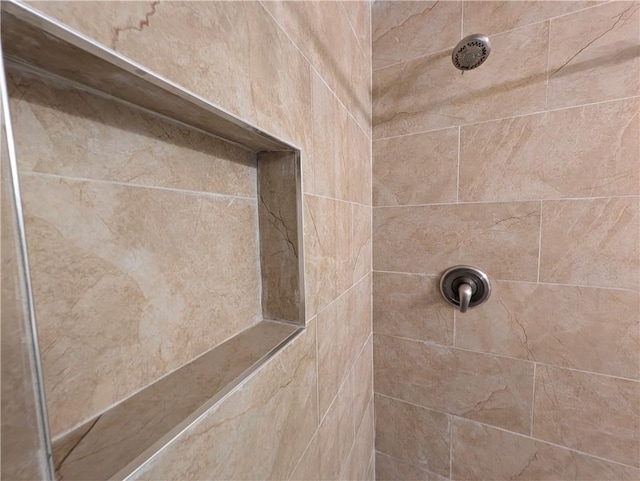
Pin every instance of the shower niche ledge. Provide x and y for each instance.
(44, 60)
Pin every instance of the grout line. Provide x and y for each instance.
(141, 186)
(533, 397)
(499, 119)
(539, 243)
(313, 67)
(515, 201)
(495, 34)
(491, 426)
(461, 37)
(581, 286)
(303, 453)
(320, 311)
(450, 420)
(546, 93)
(503, 356)
(408, 463)
(317, 375)
(339, 200)
(458, 172)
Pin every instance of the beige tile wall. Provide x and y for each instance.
(529, 168)
(301, 71)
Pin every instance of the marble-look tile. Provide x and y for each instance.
(280, 80)
(502, 238)
(391, 469)
(584, 328)
(416, 169)
(343, 328)
(359, 15)
(413, 434)
(361, 242)
(23, 453)
(308, 469)
(65, 131)
(358, 466)
(593, 55)
(481, 453)
(131, 283)
(362, 382)
(589, 151)
(592, 413)
(491, 17)
(591, 242)
(107, 443)
(320, 253)
(336, 433)
(411, 305)
(259, 432)
(323, 33)
(402, 30)
(429, 93)
(341, 150)
(337, 243)
(213, 39)
(278, 220)
(480, 387)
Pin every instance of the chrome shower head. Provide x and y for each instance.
(471, 52)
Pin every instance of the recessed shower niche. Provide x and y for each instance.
(164, 240)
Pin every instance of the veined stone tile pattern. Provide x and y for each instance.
(259, 60)
(529, 168)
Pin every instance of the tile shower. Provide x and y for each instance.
(528, 167)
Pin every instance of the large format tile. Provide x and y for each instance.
(336, 434)
(410, 305)
(130, 283)
(491, 17)
(23, 456)
(405, 30)
(66, 131)
(341, 150)
(416, 435)
(102, 446)
(308, 468)
(343, 329)
(589, 151)
(213, 39)
(481, 453)
(362, 383)
(259, 432)
(359, 464)
(589, 412)
(416, 169)
(502, 239)
(323, 33)
(429, 93)
(481, 387)
(593, 55)
(591, 329)
(591, 242)
(391, 469)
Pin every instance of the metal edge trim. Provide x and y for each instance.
(24, 261)
(57, 29)
(156, 449)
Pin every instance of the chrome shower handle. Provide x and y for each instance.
(465, 292)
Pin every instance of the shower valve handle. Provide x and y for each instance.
(465, 291)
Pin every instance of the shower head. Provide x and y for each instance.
(471, 52)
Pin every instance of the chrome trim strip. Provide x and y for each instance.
(24, 261)
(155, 450)
(59, 30)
